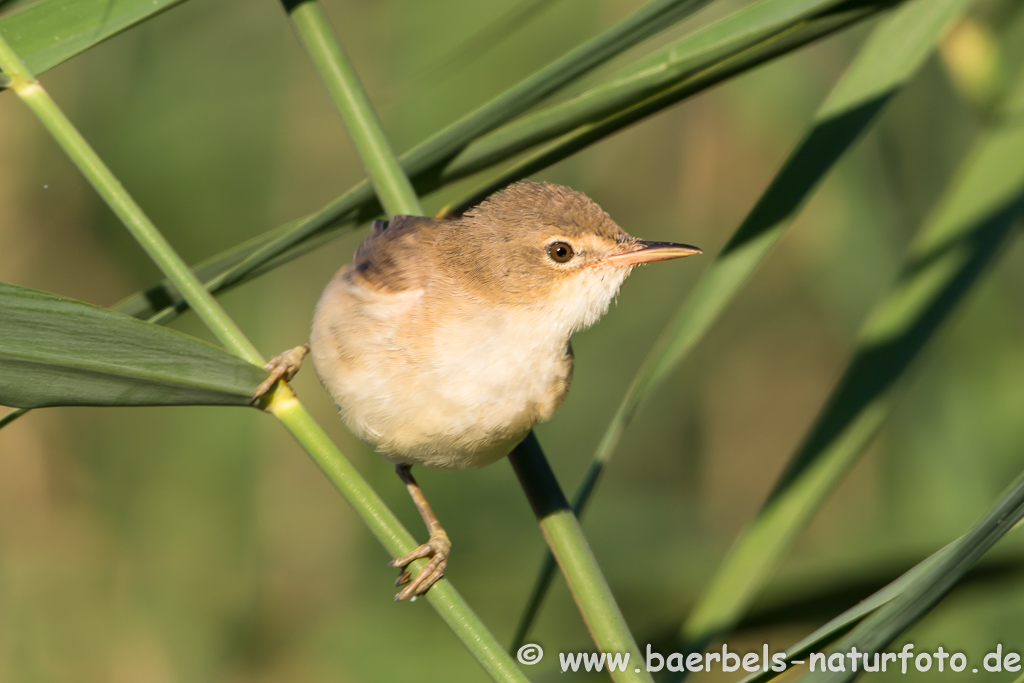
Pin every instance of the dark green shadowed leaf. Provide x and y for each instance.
(57, 351)
(48, 33)
(879, 70)
(953, 248)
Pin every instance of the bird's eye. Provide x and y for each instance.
(560, 252)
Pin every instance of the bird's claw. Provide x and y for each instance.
(282, 366)
(437, 549)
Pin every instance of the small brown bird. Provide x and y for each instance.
(446, 341)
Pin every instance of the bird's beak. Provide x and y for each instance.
(642, 251)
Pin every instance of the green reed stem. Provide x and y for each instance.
(349, 96)
(570, 548)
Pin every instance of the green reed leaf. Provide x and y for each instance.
(928, 583)
(55, 351)
(912, 593)
(582, 137)
(51, 32)
(669, 66)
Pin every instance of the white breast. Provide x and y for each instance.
(456, 391)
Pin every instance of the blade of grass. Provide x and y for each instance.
(847, 112)
(840, 625)
(58, 351)
(563, 534)
(161, 302)
(930, 584)
(707, 46)
(282, 402)
(948, 562)
(484, 40)
(49, 33)
(647, 21)
(991, 576)
(953, 248)
(586, 135)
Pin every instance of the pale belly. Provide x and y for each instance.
(453, 394)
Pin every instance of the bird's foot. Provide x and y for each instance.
(282, 366)
(437, 549)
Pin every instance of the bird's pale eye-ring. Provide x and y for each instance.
(560, 252)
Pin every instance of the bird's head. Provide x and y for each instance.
(548, 247)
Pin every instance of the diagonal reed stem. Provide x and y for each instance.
(569, 547)
(558, 523)
(349, 96)
(282, 403)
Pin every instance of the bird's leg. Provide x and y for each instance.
(437, 548)
(282, 366)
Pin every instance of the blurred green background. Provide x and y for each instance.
(199, 544)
